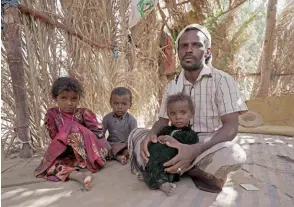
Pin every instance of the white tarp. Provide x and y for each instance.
(139, 9)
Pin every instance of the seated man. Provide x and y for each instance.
(218, 103)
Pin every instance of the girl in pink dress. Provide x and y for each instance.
(78, 147)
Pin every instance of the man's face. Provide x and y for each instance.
(192, 50)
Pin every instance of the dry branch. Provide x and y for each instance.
(39, 15)
(234, 7)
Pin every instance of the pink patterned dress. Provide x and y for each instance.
(77, 141)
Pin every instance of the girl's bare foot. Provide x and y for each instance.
(168, 188)
(140, 176)
(122, 159)
(85, 178)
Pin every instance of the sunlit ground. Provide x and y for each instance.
(268, 167)
(35, 198)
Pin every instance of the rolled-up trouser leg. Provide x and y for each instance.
(134, 142)
(213, 166)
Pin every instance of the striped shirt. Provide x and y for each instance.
(214, 93)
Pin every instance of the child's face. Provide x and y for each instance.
(67, 101)
(179, 113)
(120, 104)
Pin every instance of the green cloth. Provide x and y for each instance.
(154, 175)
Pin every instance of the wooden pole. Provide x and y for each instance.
(268, 49)
(12, 44)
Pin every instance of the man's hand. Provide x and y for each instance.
(144, 146)
(186, 155)
(151, 137)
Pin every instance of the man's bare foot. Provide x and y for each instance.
(200, 180)
(121, 158)
(140, 176)
(168, 188)
(85, 178)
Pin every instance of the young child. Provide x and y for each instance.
(180, 110)
(119, 123)
(78, 147)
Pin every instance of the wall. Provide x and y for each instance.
(274, 110)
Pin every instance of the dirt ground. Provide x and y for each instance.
(269, 167)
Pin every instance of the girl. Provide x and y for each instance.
(180, 110)
(78, 146)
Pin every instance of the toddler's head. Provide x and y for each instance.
(180, 109)
(120, 100)
(66, 92)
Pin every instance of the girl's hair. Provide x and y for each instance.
(121, 91)
(66, 84)
(180, 97)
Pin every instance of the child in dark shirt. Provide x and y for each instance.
(180, 110)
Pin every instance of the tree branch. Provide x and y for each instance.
(45, 18)
(235, 7)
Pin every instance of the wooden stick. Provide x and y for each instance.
(258, 74)
(11, 166)
(12, 45)
(45, 18)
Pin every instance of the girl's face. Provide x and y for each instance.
(179, 113)
(67, 101)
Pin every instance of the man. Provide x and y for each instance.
(218, 104)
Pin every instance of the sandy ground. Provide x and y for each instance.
(270, 167)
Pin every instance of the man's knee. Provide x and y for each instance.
(216, 163)
(221, 155)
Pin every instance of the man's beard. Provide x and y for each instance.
(197, 65)
(193, 67)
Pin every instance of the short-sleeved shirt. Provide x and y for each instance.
(214, 94)
(119, 128)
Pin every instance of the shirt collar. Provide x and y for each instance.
(185, 128)
(122, 117)
(205, 72)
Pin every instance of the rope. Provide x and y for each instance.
(20, 127)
